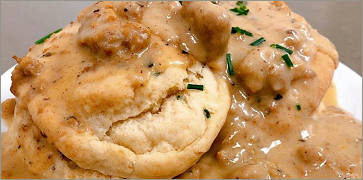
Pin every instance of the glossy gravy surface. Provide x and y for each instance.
(268, 137)
(326, 145)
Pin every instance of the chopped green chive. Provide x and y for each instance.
(241, 10)
(207, 113)
(47, 36)
(289, 51)
(287, 60)
(298, 107)
(258, 42)
(195, 86)
(229, 64)
(241, 31)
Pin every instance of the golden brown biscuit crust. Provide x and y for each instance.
(82, 100)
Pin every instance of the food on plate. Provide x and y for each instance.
(26, 153)
(132, 109)
(179, 89)
(271, 129)
(327, 144)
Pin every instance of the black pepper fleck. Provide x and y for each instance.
(43, 134)
(47, 54)
(71, 117)
(62, 156)
(278, 97)
(207, 113)
(259, 99)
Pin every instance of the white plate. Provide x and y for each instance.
(347, 82)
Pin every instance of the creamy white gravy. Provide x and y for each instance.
(264, 137)
(326, 145)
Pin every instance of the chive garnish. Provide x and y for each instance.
(241, 3)
(258, 42)
(241, 31)
(229, 64)
(47, 36)
(287, 60)
(207, 113)
(241, 10)
(298, 107)
(195, 86)
(289, 51)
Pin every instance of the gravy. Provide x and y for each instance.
(273, 129)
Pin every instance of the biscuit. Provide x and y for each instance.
(26, 153)
(121, 110)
